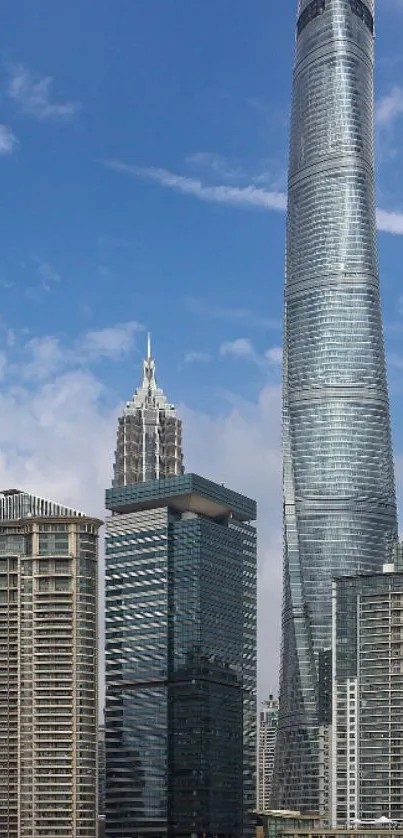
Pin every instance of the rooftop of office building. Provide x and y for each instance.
(183, 493)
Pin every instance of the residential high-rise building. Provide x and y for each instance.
(339, 496)
(48, 669)
(149, 440)
(180, 660)
(367, 729)
(101, 770)
(267, 729)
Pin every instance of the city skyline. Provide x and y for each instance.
(92, 254)
(339, 490)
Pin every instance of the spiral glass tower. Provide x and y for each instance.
(339, 496)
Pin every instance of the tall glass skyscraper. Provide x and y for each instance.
(339, 497)
(149, 440)
(180, 660)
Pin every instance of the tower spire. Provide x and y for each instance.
(149, 381)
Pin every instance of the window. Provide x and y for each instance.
(53, 544)
(361, 10)
(62, 584)
(315, 8)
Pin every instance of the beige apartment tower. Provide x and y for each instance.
(48, 669)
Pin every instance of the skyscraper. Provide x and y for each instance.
(267, 729)
(149, 441)
(367, 726)
(339, 498)
(180, 660)
(48, 669)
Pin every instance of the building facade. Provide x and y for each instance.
(267, 729)
(180, 660)
(101, 770)
(339, 497)
(48, 669)
(149, 440)
(367, 729)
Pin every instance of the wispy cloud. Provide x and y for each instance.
(236, 315)
(239, 196)
(389, 107)
(49, 276)
(111, 342)
(275, 355)
(8, 140)
(47, 354)
(215, 164)
(241, 348)
(390, 222)
(33, 94)
(244, 196)
(194, 357)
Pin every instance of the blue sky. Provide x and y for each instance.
(143, 158)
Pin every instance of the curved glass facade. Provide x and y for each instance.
(339, 496)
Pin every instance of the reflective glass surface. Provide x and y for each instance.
(181, 674)
(339, 497)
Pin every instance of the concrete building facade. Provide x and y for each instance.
(48, 669)
(267, 730)
(367, 728)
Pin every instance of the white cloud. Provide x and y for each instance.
(222, 194)
(244, 452)
(216, 165)
(46, 355)
(8, 140)
(33, 94)
(390, 107)
(241, 348)
(275, 355)
(239, 196)
(111, 342)
(390, 222)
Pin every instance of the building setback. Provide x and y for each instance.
(149, 440)
(180, 660)
(367, 729)
(48, 669)
(339, 495)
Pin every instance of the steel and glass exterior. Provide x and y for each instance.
(367, 724)
(48, 669)
(180, 660)
(339, 497)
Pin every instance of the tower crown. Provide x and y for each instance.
(149, 440)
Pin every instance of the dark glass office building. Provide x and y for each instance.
(180, 660)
